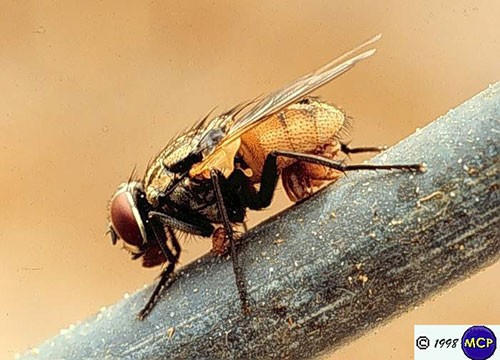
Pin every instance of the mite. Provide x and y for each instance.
(205, 179)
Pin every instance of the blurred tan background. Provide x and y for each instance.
(87, 91)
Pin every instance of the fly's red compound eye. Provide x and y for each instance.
(125, 217)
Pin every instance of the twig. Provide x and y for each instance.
(351, 257)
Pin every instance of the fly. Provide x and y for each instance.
(206, 178)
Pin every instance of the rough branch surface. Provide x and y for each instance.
(353, 256)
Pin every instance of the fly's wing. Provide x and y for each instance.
(223, 155)
(299, 88)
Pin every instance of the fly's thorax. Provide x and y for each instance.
(194, 196)
(168, 168)
(157, 183)
(181, 154)
(300, 127)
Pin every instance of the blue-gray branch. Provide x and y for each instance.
(351, 257)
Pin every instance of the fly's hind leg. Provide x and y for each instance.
(301, 179)
(270, 174)
(301, 183)
(338, 165)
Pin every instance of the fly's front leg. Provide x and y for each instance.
(229, 234)
(166, 278)
(203, 228)
(160, 219)
(165, 281)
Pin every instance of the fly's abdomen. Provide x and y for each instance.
(301, 127)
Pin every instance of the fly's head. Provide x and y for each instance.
(164, 185)
(128, 215)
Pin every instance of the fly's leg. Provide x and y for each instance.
(240, 282)
(165, 281)
(165, 278)
(175, 243)
(203, 228)
(301, 179)
(270, 174)
(339, 166)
